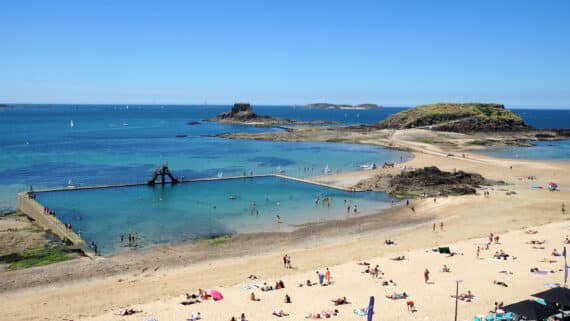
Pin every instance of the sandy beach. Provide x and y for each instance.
(155, 279)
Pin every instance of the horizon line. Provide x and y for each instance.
(544, 107)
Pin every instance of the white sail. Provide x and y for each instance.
(71, 124)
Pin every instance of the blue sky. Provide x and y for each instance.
(395, 53)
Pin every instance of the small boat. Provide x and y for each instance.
(232, 197)
(220, 174)
(327, 170)
(181, 135)
(279, 170)
(125, 124)
(70, 184)
(71, 124)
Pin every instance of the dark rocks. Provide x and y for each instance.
(428, 181)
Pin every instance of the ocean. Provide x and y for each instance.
(54, 145)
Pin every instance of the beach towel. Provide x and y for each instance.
(361, 312)
(250, 287)
(552, 285)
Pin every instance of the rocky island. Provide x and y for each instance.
(445, 127)
(342, 106)
(453, 117)
(427, 181)
(242, 114)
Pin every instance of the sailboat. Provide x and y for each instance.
(71, 124)
(70, 184)
(327, 170)
(279, 170)
(220, 174)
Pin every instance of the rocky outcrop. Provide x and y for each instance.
(463, 118)
(430, 181)
(241, 113)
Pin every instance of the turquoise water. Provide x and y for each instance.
(545, 150)
(113, 144)
(165, 214)
(124, 144)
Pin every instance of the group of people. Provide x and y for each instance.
(48, 211)
(132, 237)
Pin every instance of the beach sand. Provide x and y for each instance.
(155, 284)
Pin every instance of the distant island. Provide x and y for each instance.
(242, 113)
(454, 117)
(342, 106)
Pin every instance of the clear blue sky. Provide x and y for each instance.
(285, 52)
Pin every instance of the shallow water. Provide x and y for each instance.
(165, 214)
(543, 150)
(110, 144)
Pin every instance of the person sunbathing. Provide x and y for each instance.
(556, 253)
(445, 268)
(397, 296)
(195, 316)
(390, 282)
(340, 301)
(467, 297)
(546, 260)
(287, 298)
(531, 232)
(130, 312)
(567, 240)
(537, 242)
(190, 302)
(501, 283)
(280, 313)
(398, 258)
(501, 255)
(363, 263)
(389, 242)
(309, 283)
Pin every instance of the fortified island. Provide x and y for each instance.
(242, 113)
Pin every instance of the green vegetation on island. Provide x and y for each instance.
(453, 117)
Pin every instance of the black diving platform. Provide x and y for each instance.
(161, 174)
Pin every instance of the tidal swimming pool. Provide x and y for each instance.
(184, 212)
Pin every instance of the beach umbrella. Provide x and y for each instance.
(216, 295)
(531, 310)
(557, 295)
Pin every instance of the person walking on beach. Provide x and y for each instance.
(563, 208)
(434, 227)
(328, 276)
(478, 250)
(285, 261)
(441, 226)
(289, 266)
(426, 276)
